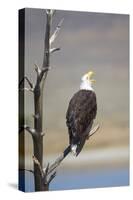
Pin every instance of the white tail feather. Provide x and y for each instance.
(73, 149)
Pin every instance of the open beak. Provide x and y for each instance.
(90, 74)
(93, 81)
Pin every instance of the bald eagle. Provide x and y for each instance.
(81, 113)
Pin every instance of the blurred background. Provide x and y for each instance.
(88, 41)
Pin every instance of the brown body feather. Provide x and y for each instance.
(81, 112)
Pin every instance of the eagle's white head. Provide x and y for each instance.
(86, 81)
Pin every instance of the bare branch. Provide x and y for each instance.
(54, 35)
(54, 49)
(28, 170)
(43, 71)
(42, 133)
(38, 108)
(28, 81)
(93, 131)
(59, 159)
(44, 172)
(27, 128)
(37, 69)
(46, 69)
(67, 151)
(26, 89)
(47, 11)
(50, 168)
(50, 12)
(46, 41)
(35, 116)
(39, 165)
(40, 73)
(51, 177)
(46, 169)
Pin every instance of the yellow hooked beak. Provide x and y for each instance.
(89, 76)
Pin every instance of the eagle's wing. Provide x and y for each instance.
(80, 115)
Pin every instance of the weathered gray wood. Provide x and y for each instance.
(38, 106)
